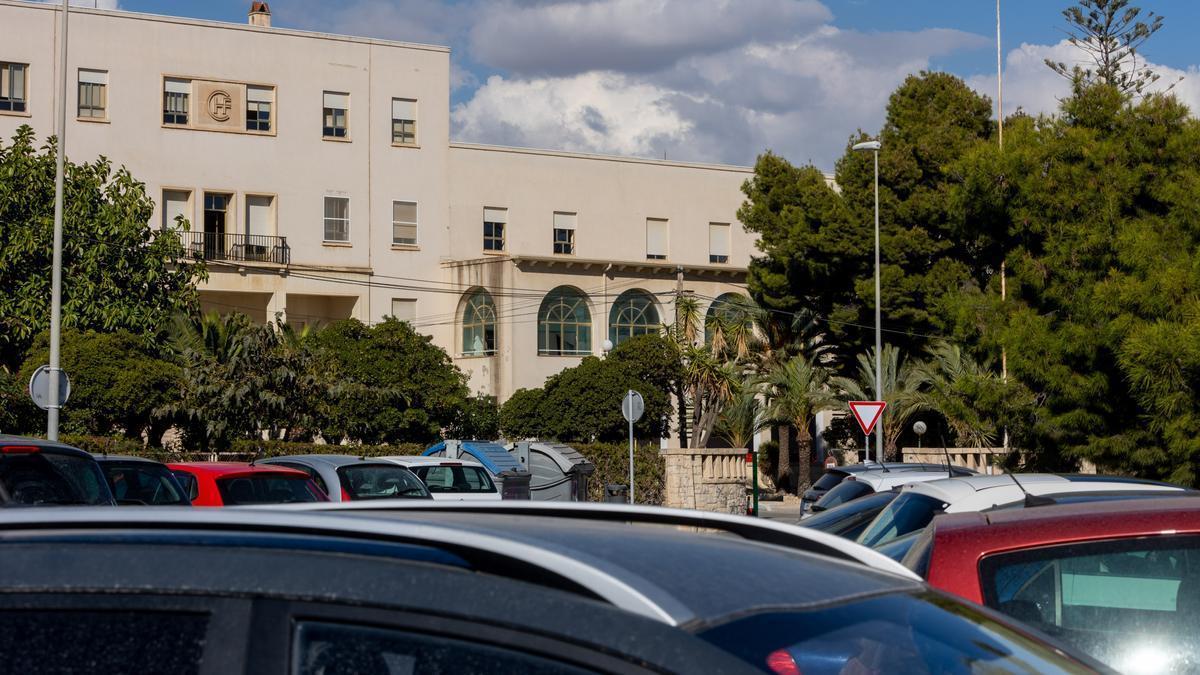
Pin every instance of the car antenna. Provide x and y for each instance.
(1030, 500)
(946, 452)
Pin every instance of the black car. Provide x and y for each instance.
(37, 472)
(136, 481)
(472, 588)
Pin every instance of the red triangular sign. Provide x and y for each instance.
(867, 413)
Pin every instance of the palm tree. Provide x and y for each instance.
(904, 383)
(950, 375)
(709, 383)
(742, 418)
(796, 391)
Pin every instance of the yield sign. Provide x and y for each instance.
(867, 413)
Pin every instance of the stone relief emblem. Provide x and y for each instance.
(220, 105)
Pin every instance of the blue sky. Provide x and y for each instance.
(709, 80)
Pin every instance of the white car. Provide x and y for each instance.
(863, 483)
(451, 479)
(918, 503)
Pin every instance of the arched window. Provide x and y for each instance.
(632, 314)
(478, 324)
(564, 323)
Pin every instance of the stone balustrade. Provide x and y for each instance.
(707, 479)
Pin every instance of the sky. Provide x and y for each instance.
(711, 80)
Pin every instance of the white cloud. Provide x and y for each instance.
(1030, 85)
(566, 38)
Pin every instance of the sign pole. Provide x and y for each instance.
(632, 407)
(56, 266)
(631, 461)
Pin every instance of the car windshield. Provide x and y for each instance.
(899, 633)
(381, 481)
(829, 480)
(267, 488)
(909, 512)
(846, 491)
(850, 519)
(455, 479)
(49, 478)
(143, 483)
(899, 547)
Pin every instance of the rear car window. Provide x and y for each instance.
(46, 477)
(898, 633)
(68, 641)
(846, 491)
(852, 517)
(1132, 604)
(907, 513)
(455, 479)
(267, 489)
(191, 486)
(143, 483)
(321, 648)
(381, 481)
(828, 480)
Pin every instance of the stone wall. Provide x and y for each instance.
(707, 479)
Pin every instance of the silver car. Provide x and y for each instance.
(346, 477)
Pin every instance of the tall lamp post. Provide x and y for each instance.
(873, 147)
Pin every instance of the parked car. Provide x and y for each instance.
(136, 481)
(36, 472)
(346, 477)
(239, 484)
(1119, 580)
(451, 479)
(833, 476)
(918, 503)
(365, 588)
(850, 519)
(866, 483)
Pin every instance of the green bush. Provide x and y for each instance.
(18, 414)
(521, 414)
(262, 449)
(612, 466)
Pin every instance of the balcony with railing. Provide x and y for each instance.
(238, 247)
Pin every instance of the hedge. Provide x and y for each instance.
(612, 466)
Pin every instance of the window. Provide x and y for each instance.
(93, 94)
(175, 203)
(564, 233)
(175, 101)
(258, 108)
(404, 223)
(404, 121)
(1102, 597)
(267, 488)
(12, 87)
(404, 309)
(632, 314)
(656, 239)
(336, 112)
(478, 324)
(564, 323)
(455, 479)
(494, 221)
(718, 242)
(260, 216)
(337, 219)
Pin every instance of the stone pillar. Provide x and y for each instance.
(707, 479)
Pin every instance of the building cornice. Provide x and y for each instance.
(480, 147)
(588, 264)
(223, 25)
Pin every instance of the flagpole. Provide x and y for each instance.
(52, 405)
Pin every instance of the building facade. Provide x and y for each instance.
(320, 183)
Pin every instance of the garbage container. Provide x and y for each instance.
(616, 494)
(514, 484)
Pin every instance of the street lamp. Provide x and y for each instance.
(874, 146)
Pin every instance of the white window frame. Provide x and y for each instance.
(326, 220)
(187, 211)
(95, 83)
(719, 234)
(502, 238)
(329, 109)
(398, 116)
(566, 223)
(652, 252)
(272, 210)
(412, 303)
(414, 224)
(10, 102)
(177, 90)
(255, 100)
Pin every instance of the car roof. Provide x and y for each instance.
(616, 561)
(233, 468)
(328, 460)
(894, 466)
(43, 444)
(125, 459)
(419, 460)
(974, 493)
(884, 480)
(1016, 528)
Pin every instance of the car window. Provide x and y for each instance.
(852, 516)
(143, 483)
(188, 481)
(909, 512)
(329, 648)
(898, 633)
(267, 489)
(68, 641)
(381, 481)
(828, 480)
(1128, 602)
(455, 479)
(846, 491)
(42, 478)
(312, 473)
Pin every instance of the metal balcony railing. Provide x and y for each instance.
(238, 247)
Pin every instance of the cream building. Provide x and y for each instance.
(320, 181)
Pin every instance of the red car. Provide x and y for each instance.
(1118, 580)
(238, 483)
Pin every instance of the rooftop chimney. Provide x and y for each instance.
(260, 14)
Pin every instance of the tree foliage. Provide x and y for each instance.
(1110, 33)
(118, 273)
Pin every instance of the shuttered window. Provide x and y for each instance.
(404, 223)
(718, 242)
(656, 239)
